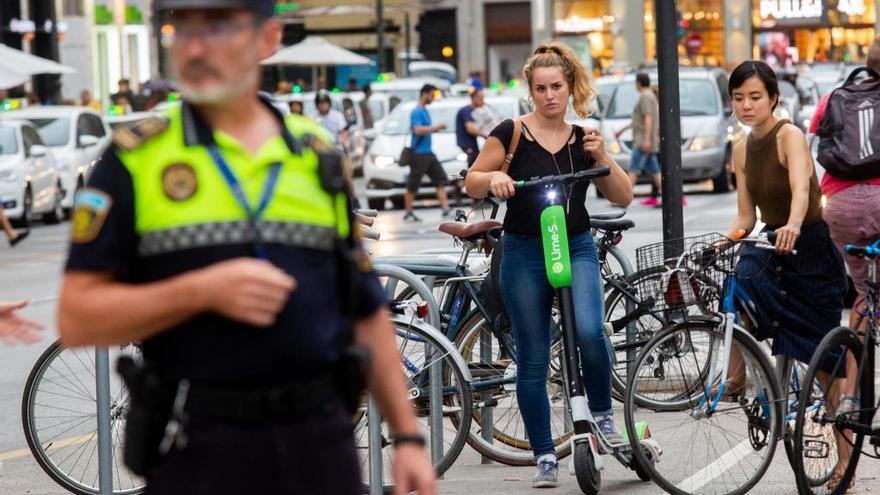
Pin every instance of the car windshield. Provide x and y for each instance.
(376, 108)
(398, 120)
(8, 143)
(402, 94)
(697, 96)
(55, 132)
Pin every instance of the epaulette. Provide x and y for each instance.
(132, 136)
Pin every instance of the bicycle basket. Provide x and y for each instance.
(689, 271)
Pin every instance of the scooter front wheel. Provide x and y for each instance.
(589, 478)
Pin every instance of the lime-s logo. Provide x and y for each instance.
(558, 267)
(555, 246)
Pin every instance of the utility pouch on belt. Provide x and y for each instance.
(351, 376)
(148, 413)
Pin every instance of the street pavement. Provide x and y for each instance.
(33, 271)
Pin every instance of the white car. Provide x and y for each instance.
(29, 182)
(77, 136)
(387, 180)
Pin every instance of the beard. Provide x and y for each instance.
(223, 91)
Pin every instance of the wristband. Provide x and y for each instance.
(415, 439)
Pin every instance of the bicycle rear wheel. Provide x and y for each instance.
(495, 392)
(708, 447)
(59, 417)
(824, 440)
(420, 350)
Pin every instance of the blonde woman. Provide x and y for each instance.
(551, 146)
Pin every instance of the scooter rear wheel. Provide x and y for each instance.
(589, 478)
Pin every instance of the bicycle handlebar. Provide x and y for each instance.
(872, 251)
(581, 176)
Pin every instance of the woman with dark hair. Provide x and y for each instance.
(798, 298)
(550, 146)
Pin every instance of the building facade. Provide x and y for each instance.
(719, 32)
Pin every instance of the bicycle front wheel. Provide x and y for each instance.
(828, 435)
(708, 447)
(420, 351)
(59, 417)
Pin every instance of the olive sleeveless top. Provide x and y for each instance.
(768, 184)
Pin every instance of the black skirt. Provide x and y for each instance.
(798, 298)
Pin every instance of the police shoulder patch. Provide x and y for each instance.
(91, 208)
(132, 136)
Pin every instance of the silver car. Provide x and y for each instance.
(708, 127)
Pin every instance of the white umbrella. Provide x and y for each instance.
(10, 79)
(17, 61)
(315, 51)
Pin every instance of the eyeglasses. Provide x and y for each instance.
(210, 31)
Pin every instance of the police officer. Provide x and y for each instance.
(219, 238)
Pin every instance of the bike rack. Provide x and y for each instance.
(105, 442)
(435, 384)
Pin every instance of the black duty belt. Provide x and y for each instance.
(286, 402)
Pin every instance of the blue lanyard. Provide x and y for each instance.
(235, 186)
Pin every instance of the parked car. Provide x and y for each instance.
(407, 88)
(708, 127)
(77, 136)
(386, 180)
(29, 182)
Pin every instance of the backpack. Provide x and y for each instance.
(490, 289)
(849, 132)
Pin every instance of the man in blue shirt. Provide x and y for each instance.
(466, 128)
(424, 161)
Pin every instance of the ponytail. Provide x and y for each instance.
(556, 54)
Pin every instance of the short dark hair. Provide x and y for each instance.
(322, 96)
(367, 88)
(427, 88)
(643, 79)
(757, 68)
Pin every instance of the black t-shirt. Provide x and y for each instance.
(530, 160)
(308, 335)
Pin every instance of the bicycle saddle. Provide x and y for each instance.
(468, 231)
(620, 225)
(608, 215)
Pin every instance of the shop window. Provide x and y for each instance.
(702, 23)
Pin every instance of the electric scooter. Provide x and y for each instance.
(588, 443)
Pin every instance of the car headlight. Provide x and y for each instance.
(382, 161)
(807, 123)
(462, 157)
(8, 175)
(701, 143)
(613, 146)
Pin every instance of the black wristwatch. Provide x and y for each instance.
(415, 439)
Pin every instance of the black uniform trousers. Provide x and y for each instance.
(315, 455)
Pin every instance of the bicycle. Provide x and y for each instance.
(59, 418)
(685, 368)
(853, 419)
(423, 349)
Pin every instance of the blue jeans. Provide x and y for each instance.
(642, 163)
(528, 297)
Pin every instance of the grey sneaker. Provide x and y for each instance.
(411, 217)
(547, 475)
(608, 430)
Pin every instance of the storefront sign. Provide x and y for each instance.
(575, 24)
(22, 26)
(791, 9)
(851, 7)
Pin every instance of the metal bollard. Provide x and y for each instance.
(435, 379)
(487, 412)
(105, 442)
(374, 440)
